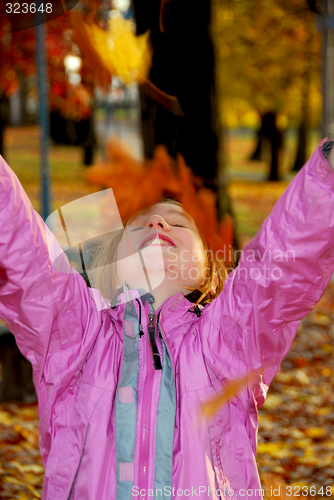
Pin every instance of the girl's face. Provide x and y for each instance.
(161, 246)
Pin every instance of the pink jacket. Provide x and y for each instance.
(113, 425)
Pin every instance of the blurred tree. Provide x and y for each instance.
(269, 56)
(182, 66)
(69, 100)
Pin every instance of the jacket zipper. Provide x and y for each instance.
(151, 337)
(153, 343)
(151, 350)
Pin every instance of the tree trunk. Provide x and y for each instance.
(274, 166)
(2, 127)
(301, 147)
(4, 118)
(301, 155)
(259, 151)
(17, 383)
(259, 154)
(25, 119)
(269, 133)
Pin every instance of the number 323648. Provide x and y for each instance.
(26, 8)
(312, 491)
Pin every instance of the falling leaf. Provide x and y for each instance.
(114, 52)
(231, 389)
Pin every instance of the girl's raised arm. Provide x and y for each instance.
(53, 314)
(282, 273)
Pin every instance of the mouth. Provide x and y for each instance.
(161, 239)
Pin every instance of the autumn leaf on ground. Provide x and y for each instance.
(21, 468)
(140, 184)
(275, 487)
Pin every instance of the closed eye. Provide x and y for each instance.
(136, 229)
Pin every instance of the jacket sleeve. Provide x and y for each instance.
(52, 313)
(281, 274)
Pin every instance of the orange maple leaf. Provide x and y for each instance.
(139, 184)
(230, 391)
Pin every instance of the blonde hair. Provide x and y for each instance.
(103, 272)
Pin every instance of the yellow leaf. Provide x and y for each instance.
(33, 490)
(276, 450)
(33, 479)
(326, 372)
(302, 443)
(315, 432)
(296, 434)
(300, 484)
(326, 410)
(13, 480)
(284, 377)
(273, 401)
(35, 468)
(114, 52)
(323, 319)
(302, 377)
(5, 418)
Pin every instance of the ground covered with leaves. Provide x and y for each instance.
(296, 431)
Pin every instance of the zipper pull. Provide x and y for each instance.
(153, 344)
(151, 318)
(141, 333)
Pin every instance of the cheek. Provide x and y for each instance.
(193, 259)
(197, 252)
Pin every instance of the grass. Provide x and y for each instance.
(67, 171)
(253, 197)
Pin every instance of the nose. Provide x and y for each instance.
(157, 222)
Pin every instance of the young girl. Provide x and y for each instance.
(120, 386)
